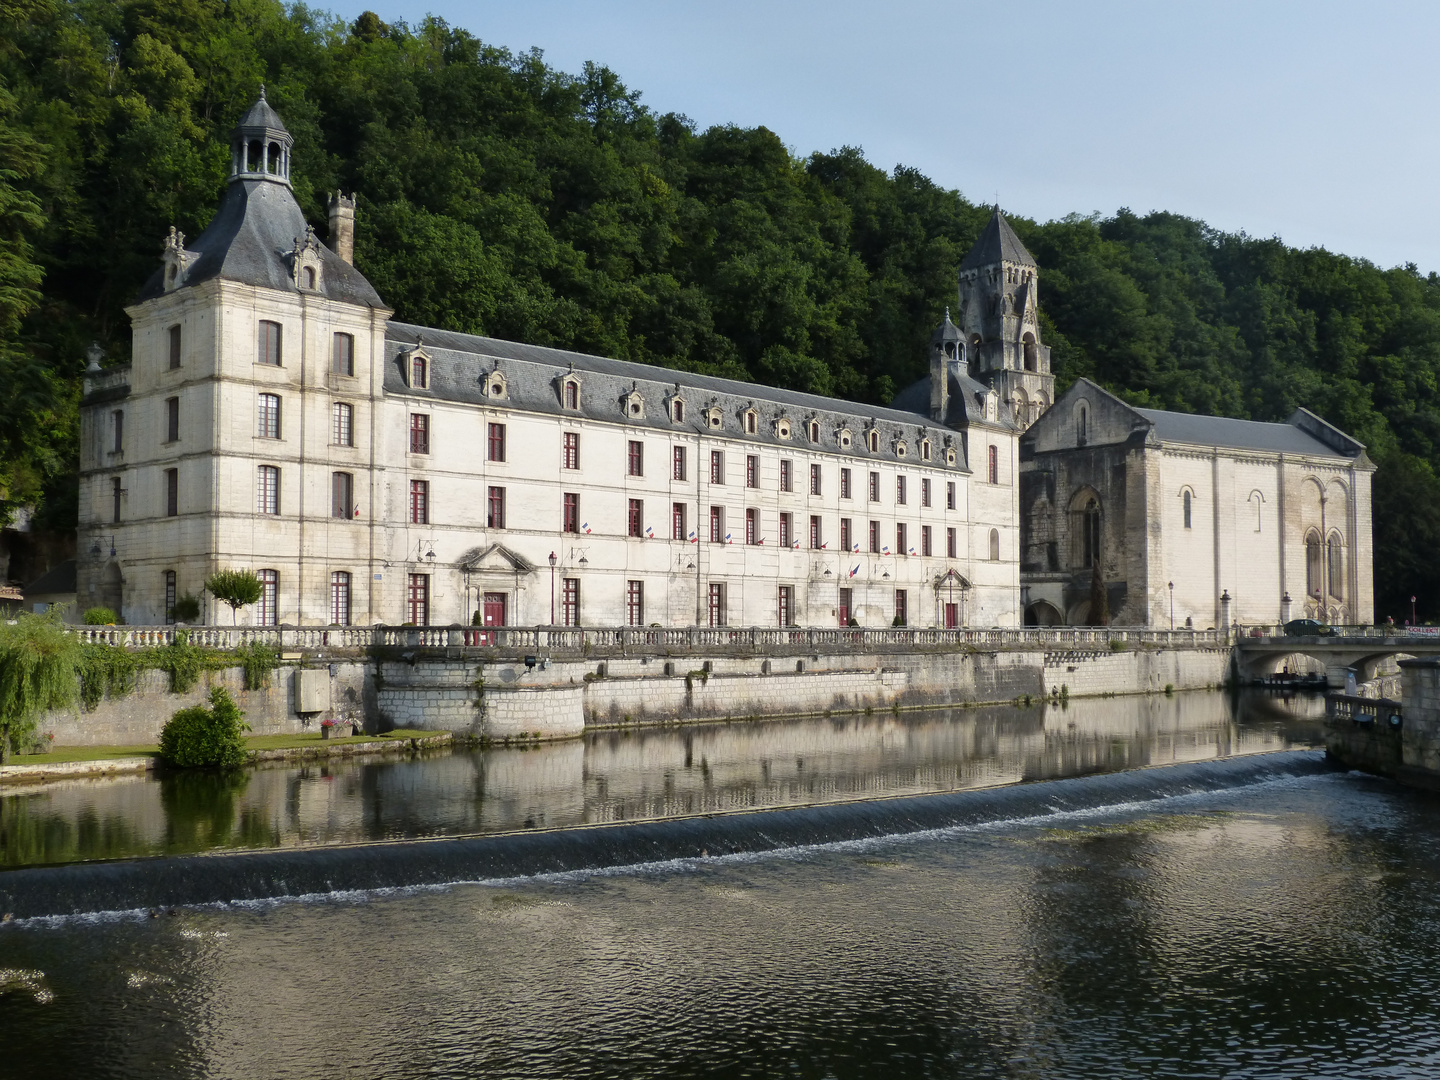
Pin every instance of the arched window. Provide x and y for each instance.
(873, 439)
(1082, 423)
(1031, 353)
(309, 277)
(994, 545)
(419, 373)
(1186, 502)
(1335, 556)
(677, 411)
(1312, 565)
(1084, 529)
(572, 394)
(814, 431)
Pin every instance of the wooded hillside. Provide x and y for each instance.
(501, 197)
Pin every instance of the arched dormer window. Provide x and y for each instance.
(750, 421)
(495, 386)
(570, 393)
(307, 277)
(418, 369)
(872, 441)
(814, 427)
(924, 449)
(677, 410)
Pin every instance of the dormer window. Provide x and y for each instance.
(634, 405)
(900, 448)
(495, 386)
(713, 418)
(872, 441)
(677, 410)
(782, 428)
(570, 392)
(307, 278)
(814, 431)
(418, 369)
(949, 455)
(750, 421)
(924, 449)
(845, 439)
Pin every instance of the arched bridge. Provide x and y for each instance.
(1357, 649)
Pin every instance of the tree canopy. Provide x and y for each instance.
(499, 196)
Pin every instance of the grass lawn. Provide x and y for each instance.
(254, 742)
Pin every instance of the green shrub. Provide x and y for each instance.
(198, 737)
(182, 660)
(100, 616)
(39, 661)
(259, 661)
(186, 609)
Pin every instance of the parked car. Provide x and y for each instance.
(1308, 628)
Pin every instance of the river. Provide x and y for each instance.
(1230, 907)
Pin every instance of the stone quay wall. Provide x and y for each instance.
(1359, 736)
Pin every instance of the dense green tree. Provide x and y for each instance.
(499, 196)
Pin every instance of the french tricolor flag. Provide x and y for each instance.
(586, 526)
(649, 532)
(854, 569)
(692, 536)
(727, 539)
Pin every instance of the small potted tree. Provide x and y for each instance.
(234, 587)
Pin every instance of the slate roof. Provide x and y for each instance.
(965, 406)
(459, 362)
(261, 115)
(997, 243)
(1173, 427)
(249, 238)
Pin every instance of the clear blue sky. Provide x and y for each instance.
(1313, 121)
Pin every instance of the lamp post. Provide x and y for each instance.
(552, 588)
(1413, 620)
(97, 551)
(1172, 607)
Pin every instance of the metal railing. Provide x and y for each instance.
(590, 639)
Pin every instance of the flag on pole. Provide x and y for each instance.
(586, 526)
(854, 569)
(692, 536)
(762, 541)
(855, 547)
(649, 532)
(727, 539)
(825, 545)
(883, 551)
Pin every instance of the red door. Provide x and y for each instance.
(845, 595)
(952, 616)
(493, 614)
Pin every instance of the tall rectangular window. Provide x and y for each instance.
(845, 537)
(814, 479)
(785, 483)
(570, 601)
(115, 492)
(900, 538)
(993, 464)
(816, 541)
(340, 598)
(677, 521)
(267, 609)
(900, 491)
(419, 433)
(635, 458)
(925, 492)
(342, 424)
(950, 544)
(752, 526)
(419, 502)
(572, 395)
(268, 490)
(902, 608)
(785, 605)
(717, 466)
(495, 508)
(269, 343)
(570, 522)
(716, 604)
(172, 493)
(342, 495)
(172, 419)
(635, 603)
(419, 372)
(752, 471)
(787, 530)
(267, 422)
(417, 600)
(570, 450)
(495, 442)
(875, 536)
(925, 540)
(874, 487)
(950, 495)
(717, 524)
(117, 430)
(678, 463)
(173, 336)
(635, 518)
(844, 483)
(342, 354)
(169, 596)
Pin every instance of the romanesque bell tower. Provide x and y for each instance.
(999, 316)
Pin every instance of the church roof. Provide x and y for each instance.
(997, 243)
(1173, 427)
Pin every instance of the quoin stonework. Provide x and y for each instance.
(274, 417)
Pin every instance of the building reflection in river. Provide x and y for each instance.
(640, 773)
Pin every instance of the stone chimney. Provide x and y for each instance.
(946, 346)
(342, 226)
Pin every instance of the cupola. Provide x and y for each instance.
(260, 145)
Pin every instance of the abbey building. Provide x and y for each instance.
(274, 417)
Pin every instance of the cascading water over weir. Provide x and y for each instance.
(164, 882)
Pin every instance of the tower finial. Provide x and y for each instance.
(262, 91)
(947, 312)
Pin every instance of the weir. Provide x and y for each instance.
(137, 885)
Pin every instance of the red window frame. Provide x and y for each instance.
(419, 502)
(786, 481)
(340, 598)
(752, 471)
(815, 537)
(678, 463)
(752, 526)
(419, 433)
(786, 530)
(570, 450)
(569, 601)
(495, 442)
(635, 518)
(993, 459)
(635, 458)
(417, 599)
(570, 512)
(635, 603)
(844, 483)
(717, 466)
(717, 524)
(495, 508)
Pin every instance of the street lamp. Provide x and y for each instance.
(1413, 620)
(97, 551)
(1172, 607)
(552, 588)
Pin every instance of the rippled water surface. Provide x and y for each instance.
(1289, 928)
